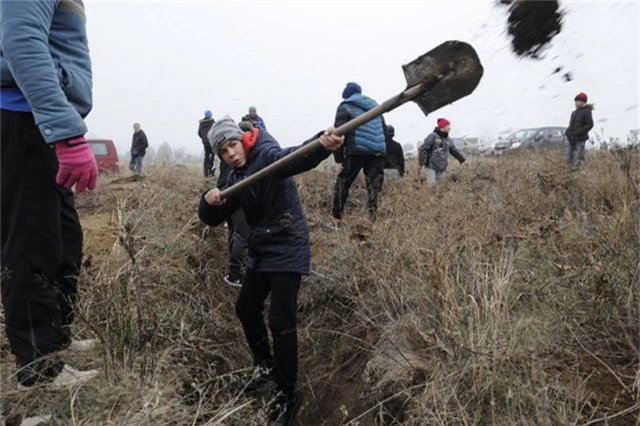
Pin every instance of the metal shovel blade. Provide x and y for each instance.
(459, 68)
(437, 78)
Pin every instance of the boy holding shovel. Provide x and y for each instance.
(279, 252)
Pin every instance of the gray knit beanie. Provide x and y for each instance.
(223, 130)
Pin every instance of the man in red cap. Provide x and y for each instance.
(578, 131)
(435, 150)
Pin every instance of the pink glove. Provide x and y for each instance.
(76, 164)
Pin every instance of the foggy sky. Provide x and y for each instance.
(163, 63)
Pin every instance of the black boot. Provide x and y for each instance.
(256, 380)
(284, 408)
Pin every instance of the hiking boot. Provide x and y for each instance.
(68, 377)
(335, 223)
(85, 345)
(233, 280)
(256, 380)
(284, 408)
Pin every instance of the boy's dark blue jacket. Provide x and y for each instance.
(279, 239)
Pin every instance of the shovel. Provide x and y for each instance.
(439, 77)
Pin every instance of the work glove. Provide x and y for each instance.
(76, 164)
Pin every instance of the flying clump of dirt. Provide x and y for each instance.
(532, 24)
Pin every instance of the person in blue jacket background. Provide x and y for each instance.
(364, 149)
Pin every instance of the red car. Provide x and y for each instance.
(106, 155)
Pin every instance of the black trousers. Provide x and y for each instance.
(209, 160)
(282, 323)
(374, 175)
(41, 249)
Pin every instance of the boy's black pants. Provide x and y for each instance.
(41, 249)
(282, 323)
(374, 175)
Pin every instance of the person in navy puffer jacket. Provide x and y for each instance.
(364, 149)
(279, 251)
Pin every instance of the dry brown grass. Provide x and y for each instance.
(509, 295)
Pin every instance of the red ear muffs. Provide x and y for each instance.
(249, 139)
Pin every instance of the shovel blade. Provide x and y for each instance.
(460, 67)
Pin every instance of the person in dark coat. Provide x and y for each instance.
(46, 94)
(578, 131)
(255, 119)
(279, 251)
(139, 145)
(394, 163)
(245, 124)
(204, 125)
(238, 234)
(237, 225)
(434, 152)
(364, 149)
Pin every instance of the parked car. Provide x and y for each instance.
(544, 137)
(106, 155)
(468, 146)
(502, 145)
(538, 137)
(410, 151)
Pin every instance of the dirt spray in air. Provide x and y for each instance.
(532, 25)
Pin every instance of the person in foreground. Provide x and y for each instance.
(45, 96)
(279, 251)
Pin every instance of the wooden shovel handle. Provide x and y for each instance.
(389, 105)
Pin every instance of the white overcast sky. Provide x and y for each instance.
(163, 63)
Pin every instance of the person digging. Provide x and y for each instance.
(279, 251)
